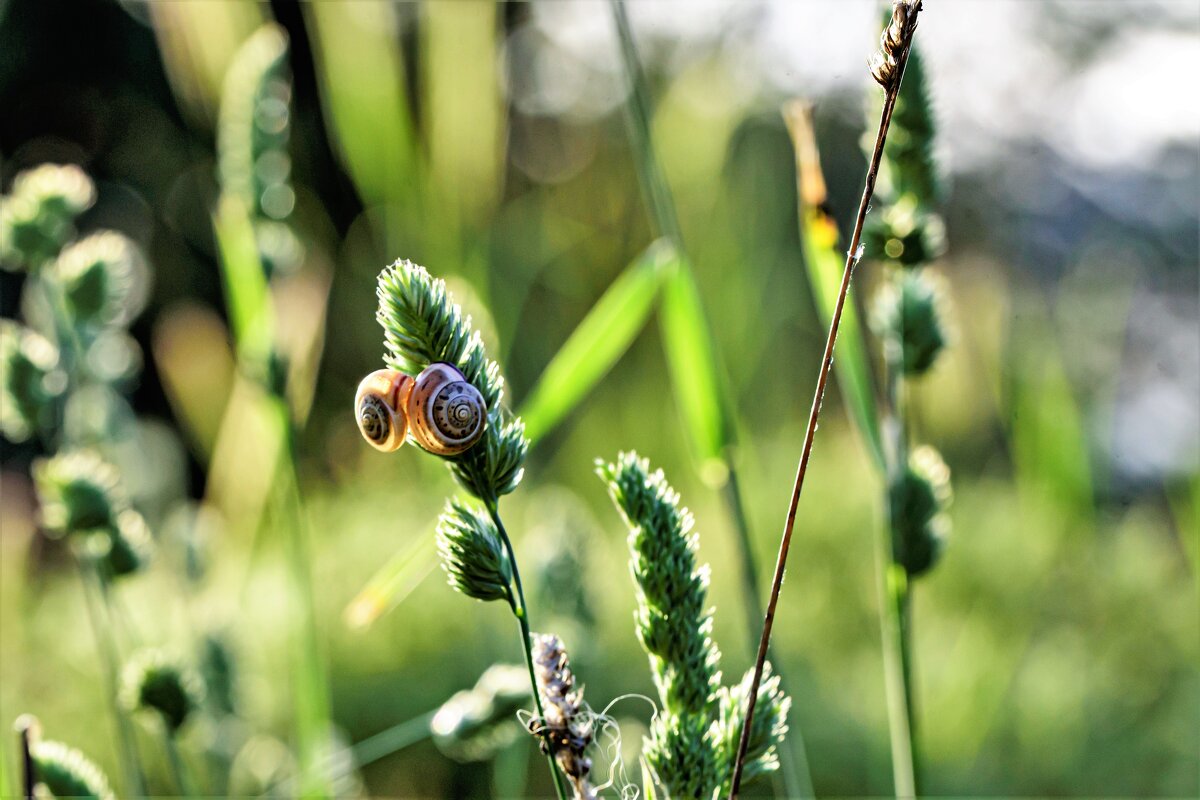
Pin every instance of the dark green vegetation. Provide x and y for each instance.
(1054, 639)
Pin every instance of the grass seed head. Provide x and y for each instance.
(473, 554)
(65, 772)
(154, 681)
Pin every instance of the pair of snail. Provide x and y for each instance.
(439, 409)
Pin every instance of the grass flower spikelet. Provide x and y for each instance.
(154, 681)
(674, 626)
(473, 555)
(30, 383)
(103, 279)
(422, 325)
(919, 499)
(78, 492)
(66, 772)
(566, 729)
(767, 732)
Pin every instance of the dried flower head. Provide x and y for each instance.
(65, 772)
(918, 501)
(154, 681)
(31, 385)
(103, 278)
(473, 554)
(894, 43)
(566, 730)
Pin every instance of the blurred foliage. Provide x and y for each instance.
(1057, 639)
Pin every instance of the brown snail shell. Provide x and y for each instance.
(446, 414)
(380, 407)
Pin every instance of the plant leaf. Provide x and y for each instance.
(394, 581)
(691, 360)
(824, 262)
(603, 336)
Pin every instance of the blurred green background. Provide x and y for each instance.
(1057, 643)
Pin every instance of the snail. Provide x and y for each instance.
(439, 409)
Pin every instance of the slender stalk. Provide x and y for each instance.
(522, 615)
(794, 771)
(852, 257)
(178, 769)
(107, 647)
(312, 699)
(895, 600)
(28, 776)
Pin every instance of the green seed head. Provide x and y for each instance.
(919, 500)
(78, 492)
(31, 385)
(130, 545)
(473, 555)
(65, 772)
(674, 625)
(908, 316)
(153, 681)
(767, 732)
(103, 278)
(36, 219)
(422, 325)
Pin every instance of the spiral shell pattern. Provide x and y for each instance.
(379, 407)
(447, 414)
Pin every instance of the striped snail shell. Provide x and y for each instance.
(381, 408)
(446, 414)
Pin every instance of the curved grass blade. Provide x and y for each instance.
(603, 336)
(823, 260)
(692, 362)
(394, 581)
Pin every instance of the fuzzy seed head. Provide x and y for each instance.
(78, 492)
(103, 278)
(65, 772)
(767, 731)
(422, 325)
(674, 625)
(908, 315)
(919, 500)
(130, 547)
(31, 385)
(37, 217)
(154, 681)
(473, 555)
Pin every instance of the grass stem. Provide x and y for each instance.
(522, 615)
(796, 778)
(106, 645)
(178, 769)
(852, 257)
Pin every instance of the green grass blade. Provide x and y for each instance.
(824, 261)
(246, 297)
(364, 96)
(394, 581)
(692, 362)
(600, 340)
